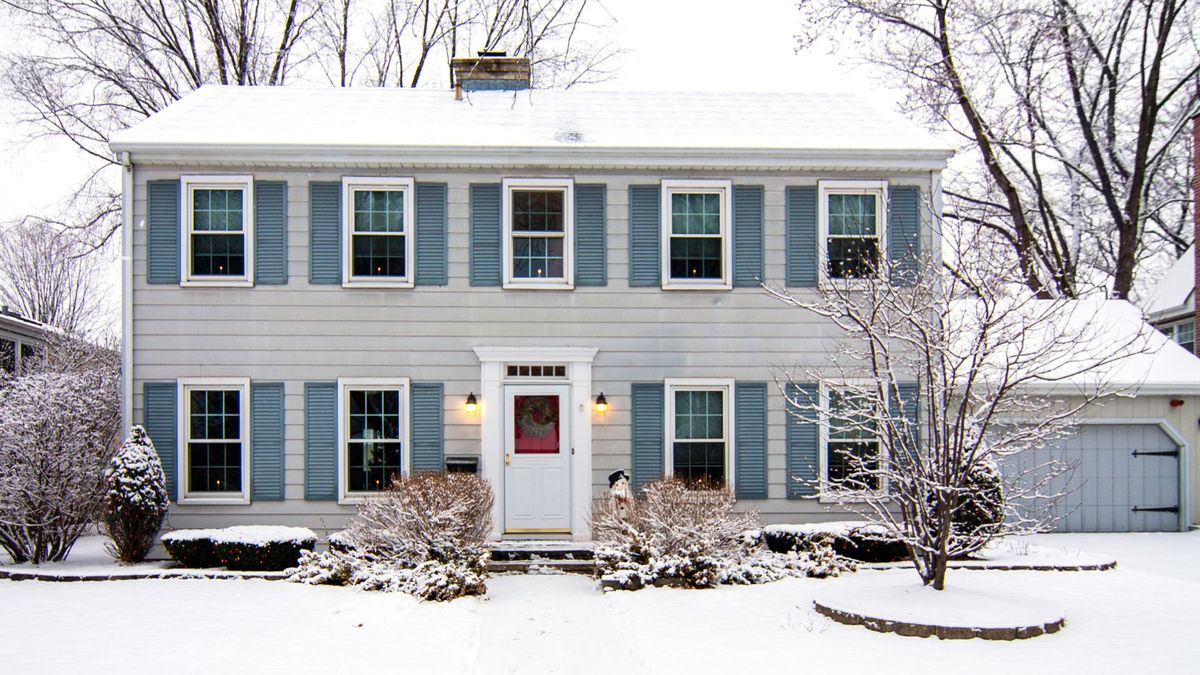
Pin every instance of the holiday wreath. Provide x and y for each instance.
(537, 416)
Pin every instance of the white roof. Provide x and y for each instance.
(1173, 294)
(298, 120)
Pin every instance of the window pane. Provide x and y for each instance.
(374, 415)
(373, 451)
(1185, 335)
(852, 215)
(852, 258)
(378, 255)
(695, 213)
(537, 257)
(536, 425)
(218, 254)
(696, 258)
(699, 462)
(379, 211)
(214, 445)
(537, 210)
(849, 417)
(851, 464)
(372, 465)
(217, 210)
(699, 415)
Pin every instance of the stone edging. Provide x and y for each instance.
(944, 632)
(133, 576)
(1004, 567)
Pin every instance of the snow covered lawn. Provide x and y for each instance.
(1143, 616)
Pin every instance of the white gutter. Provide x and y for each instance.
(126, 292)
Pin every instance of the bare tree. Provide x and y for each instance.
(46, 276)
(1076, 114)
(978, 348)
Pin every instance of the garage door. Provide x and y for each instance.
(1126, 479)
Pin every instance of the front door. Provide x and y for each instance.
(537, 459)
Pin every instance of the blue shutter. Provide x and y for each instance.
(159, 418)
(320, 440)
(324, 233)
(431, 234)
(426, 419)
(485, 234)
(647, 446)
(270, 232)
(801, 221)
(266, 441)
(644, 235)
(802, 440)
(904, 233)
(750, 439)
(747, 235)
(162, 231)
(906, 397)
(591, 258)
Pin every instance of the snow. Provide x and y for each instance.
(295, 118)
(259, 535)
(839, 527)
(88, 557)
(1173, 292)
(1140, 616)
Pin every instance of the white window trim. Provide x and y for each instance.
(829, 187)
(828, 492)
(567, 185)
(184, 386)
(724, 188)
(408, 186)
(345, 384)
(699, 384)
(190, 183)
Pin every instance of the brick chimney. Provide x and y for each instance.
(490, 71)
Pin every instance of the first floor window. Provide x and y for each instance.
(696, 233)
(8, 356)
(852, 449)
(699, 448)
(853, 227)
(379, 229)
(538, 225)
(373, 437)
(215, 440)
(217, 223)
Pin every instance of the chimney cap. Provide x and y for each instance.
(491, 54)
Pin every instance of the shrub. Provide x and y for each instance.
(979, 516)
(425, 536)
(193, 548)
(690, 536)
(252, 547)
(859, 541)
(135, 500)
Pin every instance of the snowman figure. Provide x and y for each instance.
(619, 494)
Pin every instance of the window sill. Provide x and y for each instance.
(356, 498)
(378, 283)
(697, 286)
(197, 500)
(536, 286)
(217, 283)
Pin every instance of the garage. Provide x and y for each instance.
(1126, 478)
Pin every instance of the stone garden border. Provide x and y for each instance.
(944, 632)
(21, 575)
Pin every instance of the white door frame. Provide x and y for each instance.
(492, 362)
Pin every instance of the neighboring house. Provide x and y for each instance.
(20, 340)
(332, 287)
(1171, 306)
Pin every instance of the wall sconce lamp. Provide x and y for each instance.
(601, 404)
(1176, 402)
(472, 404)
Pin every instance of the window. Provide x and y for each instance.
(538, 233)
(698, 424)
(29, 355)
(852, 227)
(378, 221)
(374, 435)
(218, 245)
(8, 356)
(1183, 332)
(215, 429)
(851, 442)
(696, 244)
(536, 370)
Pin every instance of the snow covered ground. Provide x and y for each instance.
(1143, 616)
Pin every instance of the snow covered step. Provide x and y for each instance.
(541, 550)
(542, 565)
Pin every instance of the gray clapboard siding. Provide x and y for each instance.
(904, 233)
(591, 235)
(802, 440)
(428, 442)
(320, 440)
(160, 420)
(325, 233)
(747, 235)
(801, 239)
(645, 235)
(270, 232)
(647, 410)
(266, 441)
(431, 245)
(162, 231)
(750, 439)
(485, 234)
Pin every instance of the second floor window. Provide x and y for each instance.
(218, 245)
(1184, 333)
(696, 240)
(378, 231)
(853, 223)
(538, 233)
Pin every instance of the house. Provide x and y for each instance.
(1171, 305)
(20, 340)
(331, 287)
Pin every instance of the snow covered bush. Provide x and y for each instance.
(192, 548)
(979, 516)
(135, 498)
(856, 540)
(425, 536)
(248, 547)
(58, 430)
(674, 534)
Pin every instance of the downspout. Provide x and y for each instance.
(126, 293)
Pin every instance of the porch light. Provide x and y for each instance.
(601, 404)
(472, 403)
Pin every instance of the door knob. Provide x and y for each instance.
(506, 457)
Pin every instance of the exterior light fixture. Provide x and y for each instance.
(472, 403)
(601, 404)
